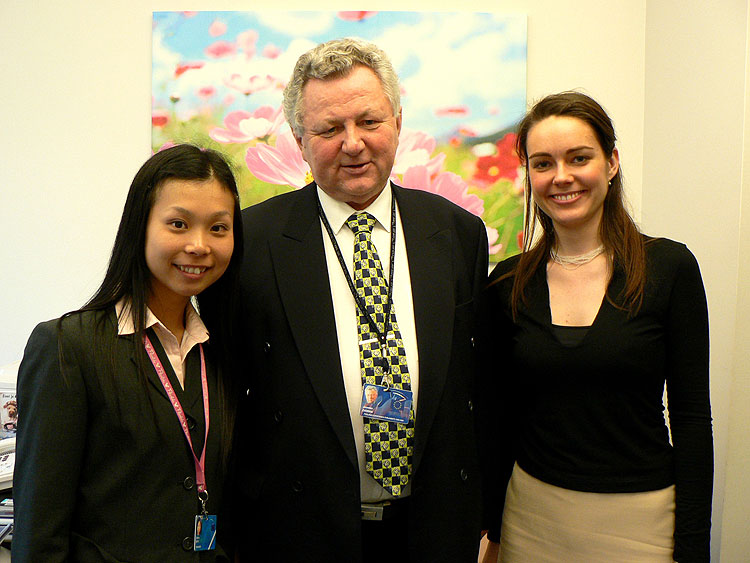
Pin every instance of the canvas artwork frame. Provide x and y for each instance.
(217, 81)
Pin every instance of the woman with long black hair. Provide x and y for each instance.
(126, 405)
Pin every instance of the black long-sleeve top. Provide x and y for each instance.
(590, 417)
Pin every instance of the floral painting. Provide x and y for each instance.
(218, 77)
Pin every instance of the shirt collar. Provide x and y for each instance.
(194, 326)
(337, 212)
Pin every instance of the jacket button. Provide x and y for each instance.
(297, 486)
(464, 475)
(187, 544)
(191, 423)
(188, 483)
(473, 342)
(278, 416)
(471, 406)
(266, 347)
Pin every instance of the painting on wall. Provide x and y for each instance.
(218, 77)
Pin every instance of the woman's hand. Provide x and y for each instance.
(489, 551)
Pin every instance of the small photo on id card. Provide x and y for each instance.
(392, 405)
(205, 532)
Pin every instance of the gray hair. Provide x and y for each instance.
(336, 58)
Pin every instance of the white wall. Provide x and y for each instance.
(75, 108)
(735, 539)
(696, 60)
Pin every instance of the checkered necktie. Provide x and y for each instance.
(388, 445)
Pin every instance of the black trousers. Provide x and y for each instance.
(387, 539)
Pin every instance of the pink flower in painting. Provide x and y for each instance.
(447, 184)
(217, 28)
(282, 164)
(492, 236)
(452, 111)
(159, 117)
(246, 42)
(243, 127)
(206, 92)
(453, 188)
(188, 14)
(467, 131)
(182, 68)
(355, 16)
(167, 145)
(249, 85)
(220, 49)
(228, 99)
(414, 149)
(271, 51)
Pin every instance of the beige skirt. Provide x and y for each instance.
(544, 523)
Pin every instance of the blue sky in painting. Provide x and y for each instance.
(476, 61)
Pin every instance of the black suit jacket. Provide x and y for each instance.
(104, 473)
(297, 471)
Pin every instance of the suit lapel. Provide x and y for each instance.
(125, 352)
(429, 250)
(151, 375)
(298, 254)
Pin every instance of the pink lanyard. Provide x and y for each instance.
(200, 473)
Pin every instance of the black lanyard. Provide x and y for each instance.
(357, 299)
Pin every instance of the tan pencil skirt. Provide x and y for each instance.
(547, 524)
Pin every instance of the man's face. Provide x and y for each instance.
(371, 394)
(350, 135)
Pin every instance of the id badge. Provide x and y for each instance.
(205, 532)
(392, 405)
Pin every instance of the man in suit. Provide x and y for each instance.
(317, 481)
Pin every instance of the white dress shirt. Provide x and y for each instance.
(344, 309)
(195, 333)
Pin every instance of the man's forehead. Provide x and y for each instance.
(329, 103)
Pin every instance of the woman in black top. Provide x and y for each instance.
(595, 318)
(125, 406)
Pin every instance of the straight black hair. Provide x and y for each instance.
(128, 277)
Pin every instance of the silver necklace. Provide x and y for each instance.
(573, 262)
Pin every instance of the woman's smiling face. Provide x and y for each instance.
(189, 239)
(568, 171)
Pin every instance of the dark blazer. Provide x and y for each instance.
(103, 471)
(297, 472)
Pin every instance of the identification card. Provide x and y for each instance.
(392, 405)
(205, 532)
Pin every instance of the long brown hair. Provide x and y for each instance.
(619, 234)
